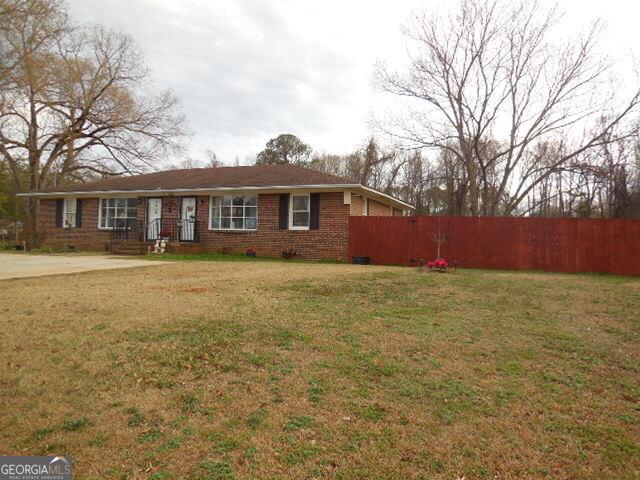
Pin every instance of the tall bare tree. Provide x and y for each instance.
(371, 165)
(75, 101)
(491, 74)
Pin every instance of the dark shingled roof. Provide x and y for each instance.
(195, 178)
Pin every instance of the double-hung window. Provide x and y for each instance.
(233, 212)
(118, 212)
(300, 212)
(69, 213)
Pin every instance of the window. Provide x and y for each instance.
(69, 213)
(118, 212)
(233, 212)
(300, 212)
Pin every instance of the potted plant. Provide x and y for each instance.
(251, 252)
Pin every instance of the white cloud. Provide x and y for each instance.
(249, 70)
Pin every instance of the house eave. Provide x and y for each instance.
(371, 192)
(213, 190)
(168, 191)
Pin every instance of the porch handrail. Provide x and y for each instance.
(173, 229)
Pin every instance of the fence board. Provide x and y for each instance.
(509, 243)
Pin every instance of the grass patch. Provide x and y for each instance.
(372, 413)
(216, 471)
(222, 443)
(236, 367)
(298, 423)
(135, 417)
(188, 403)
(256, 419)
(229, 257)
(75, 425)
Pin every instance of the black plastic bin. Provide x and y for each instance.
(361, 260)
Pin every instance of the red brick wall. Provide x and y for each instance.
(170, 208)
(378, 209)
(86, 237)
(330, 241)
(357, 205)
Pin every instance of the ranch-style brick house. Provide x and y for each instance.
(270, 208)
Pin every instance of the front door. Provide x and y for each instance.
(154, 218)
(187, 219)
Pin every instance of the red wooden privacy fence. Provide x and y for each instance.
(552, 244)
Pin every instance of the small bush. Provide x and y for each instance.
(7, 245)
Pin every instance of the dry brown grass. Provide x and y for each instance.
(243, 370)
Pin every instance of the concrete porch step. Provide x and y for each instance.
(129, 247)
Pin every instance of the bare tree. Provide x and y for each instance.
(370, 165)
(488, 85)
(210, 161)
(439, 238)
(76, 101)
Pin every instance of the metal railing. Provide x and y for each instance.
(125, 230)
(172, 229)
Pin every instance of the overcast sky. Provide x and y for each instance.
(247, 70)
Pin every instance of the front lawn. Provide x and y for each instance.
(222, 370)
(222, 257)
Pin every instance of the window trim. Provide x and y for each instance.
(100, 199)
(291, 197)
(220, 229)
(65, 212)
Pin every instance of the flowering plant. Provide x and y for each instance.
(440, 264)
(251, 252)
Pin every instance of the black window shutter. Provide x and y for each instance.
(59, 209)
(314, 218)
(79, 212)
(284, 211)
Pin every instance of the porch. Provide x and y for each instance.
(133, 237)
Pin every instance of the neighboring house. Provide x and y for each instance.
(8, 229)
(271, 208)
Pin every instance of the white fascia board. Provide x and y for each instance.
(162, 191)
(372, 193)
(212, 190)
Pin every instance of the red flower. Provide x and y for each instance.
(439, 263)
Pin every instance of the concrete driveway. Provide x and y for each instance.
(14, 265)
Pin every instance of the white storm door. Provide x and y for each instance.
(187, 219)
(154, 218)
